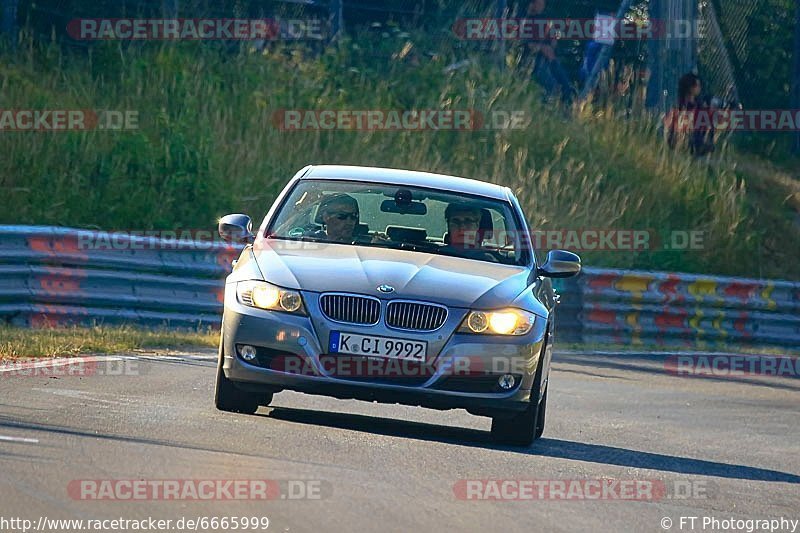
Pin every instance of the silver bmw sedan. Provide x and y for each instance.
(392, 286)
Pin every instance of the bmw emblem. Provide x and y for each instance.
(386, 289)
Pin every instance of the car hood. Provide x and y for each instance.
(451, 281)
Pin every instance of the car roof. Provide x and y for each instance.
(395, 176)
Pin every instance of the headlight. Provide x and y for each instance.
(267, 296)
(501, 322)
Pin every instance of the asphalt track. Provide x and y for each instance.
(712, 447)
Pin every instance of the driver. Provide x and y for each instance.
(340, 217)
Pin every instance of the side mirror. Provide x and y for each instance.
(236, 229)
(560, 264)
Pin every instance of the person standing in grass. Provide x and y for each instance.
(541, 51)
(692, 118)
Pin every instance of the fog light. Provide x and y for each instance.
(506, 382)
(248, 353)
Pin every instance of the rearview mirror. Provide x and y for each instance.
(236, 229)
(560, 264)
(410, 208)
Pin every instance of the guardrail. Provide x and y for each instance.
(625, 307)
(55, 276)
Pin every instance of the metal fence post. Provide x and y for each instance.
(170, 8)
(8, 14)
(605, 54)
(501, 12)
(796, 79)
(671, 56)
(655, 60)
(337, 18)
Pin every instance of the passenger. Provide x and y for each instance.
(464, 232)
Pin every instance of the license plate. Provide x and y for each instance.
(373, 346)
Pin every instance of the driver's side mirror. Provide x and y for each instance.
(560, 264)
(236, 229)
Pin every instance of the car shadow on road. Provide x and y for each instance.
(556, 448)
(654, 364)
(598, 453)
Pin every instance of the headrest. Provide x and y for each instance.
(487, 225)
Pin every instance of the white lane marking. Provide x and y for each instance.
(590, 353)
(16, 366)
(175, 358)
(19, 439)
(82, 395)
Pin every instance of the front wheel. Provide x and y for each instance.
(523, 428)
(228, 398)
(519, 430)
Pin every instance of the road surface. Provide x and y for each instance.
(704, 447)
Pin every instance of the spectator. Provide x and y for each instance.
(692, 118)
(541, 50)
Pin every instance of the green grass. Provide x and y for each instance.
(67, 342)
(206, 147)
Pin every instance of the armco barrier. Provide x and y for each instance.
(58, 276)
(627, 307)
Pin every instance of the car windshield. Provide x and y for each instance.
(401, 217)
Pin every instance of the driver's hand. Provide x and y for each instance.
(380, 238)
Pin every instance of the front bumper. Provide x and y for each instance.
(292, 355)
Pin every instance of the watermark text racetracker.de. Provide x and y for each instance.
(63, 120)
(604, 29)
(731, 120)
(194, 29)
(732, 365)
(599, 489)
(90, 366)
(575, 240)
(414, 120)
(615, 239)
(108, 490)
(124, 240)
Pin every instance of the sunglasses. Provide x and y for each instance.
(345, 216)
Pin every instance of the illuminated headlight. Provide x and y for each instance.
(502, 322)
(267, 296)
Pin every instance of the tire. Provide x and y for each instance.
(541, 416)
(523, 428)
(228, 398)
(518, 430)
